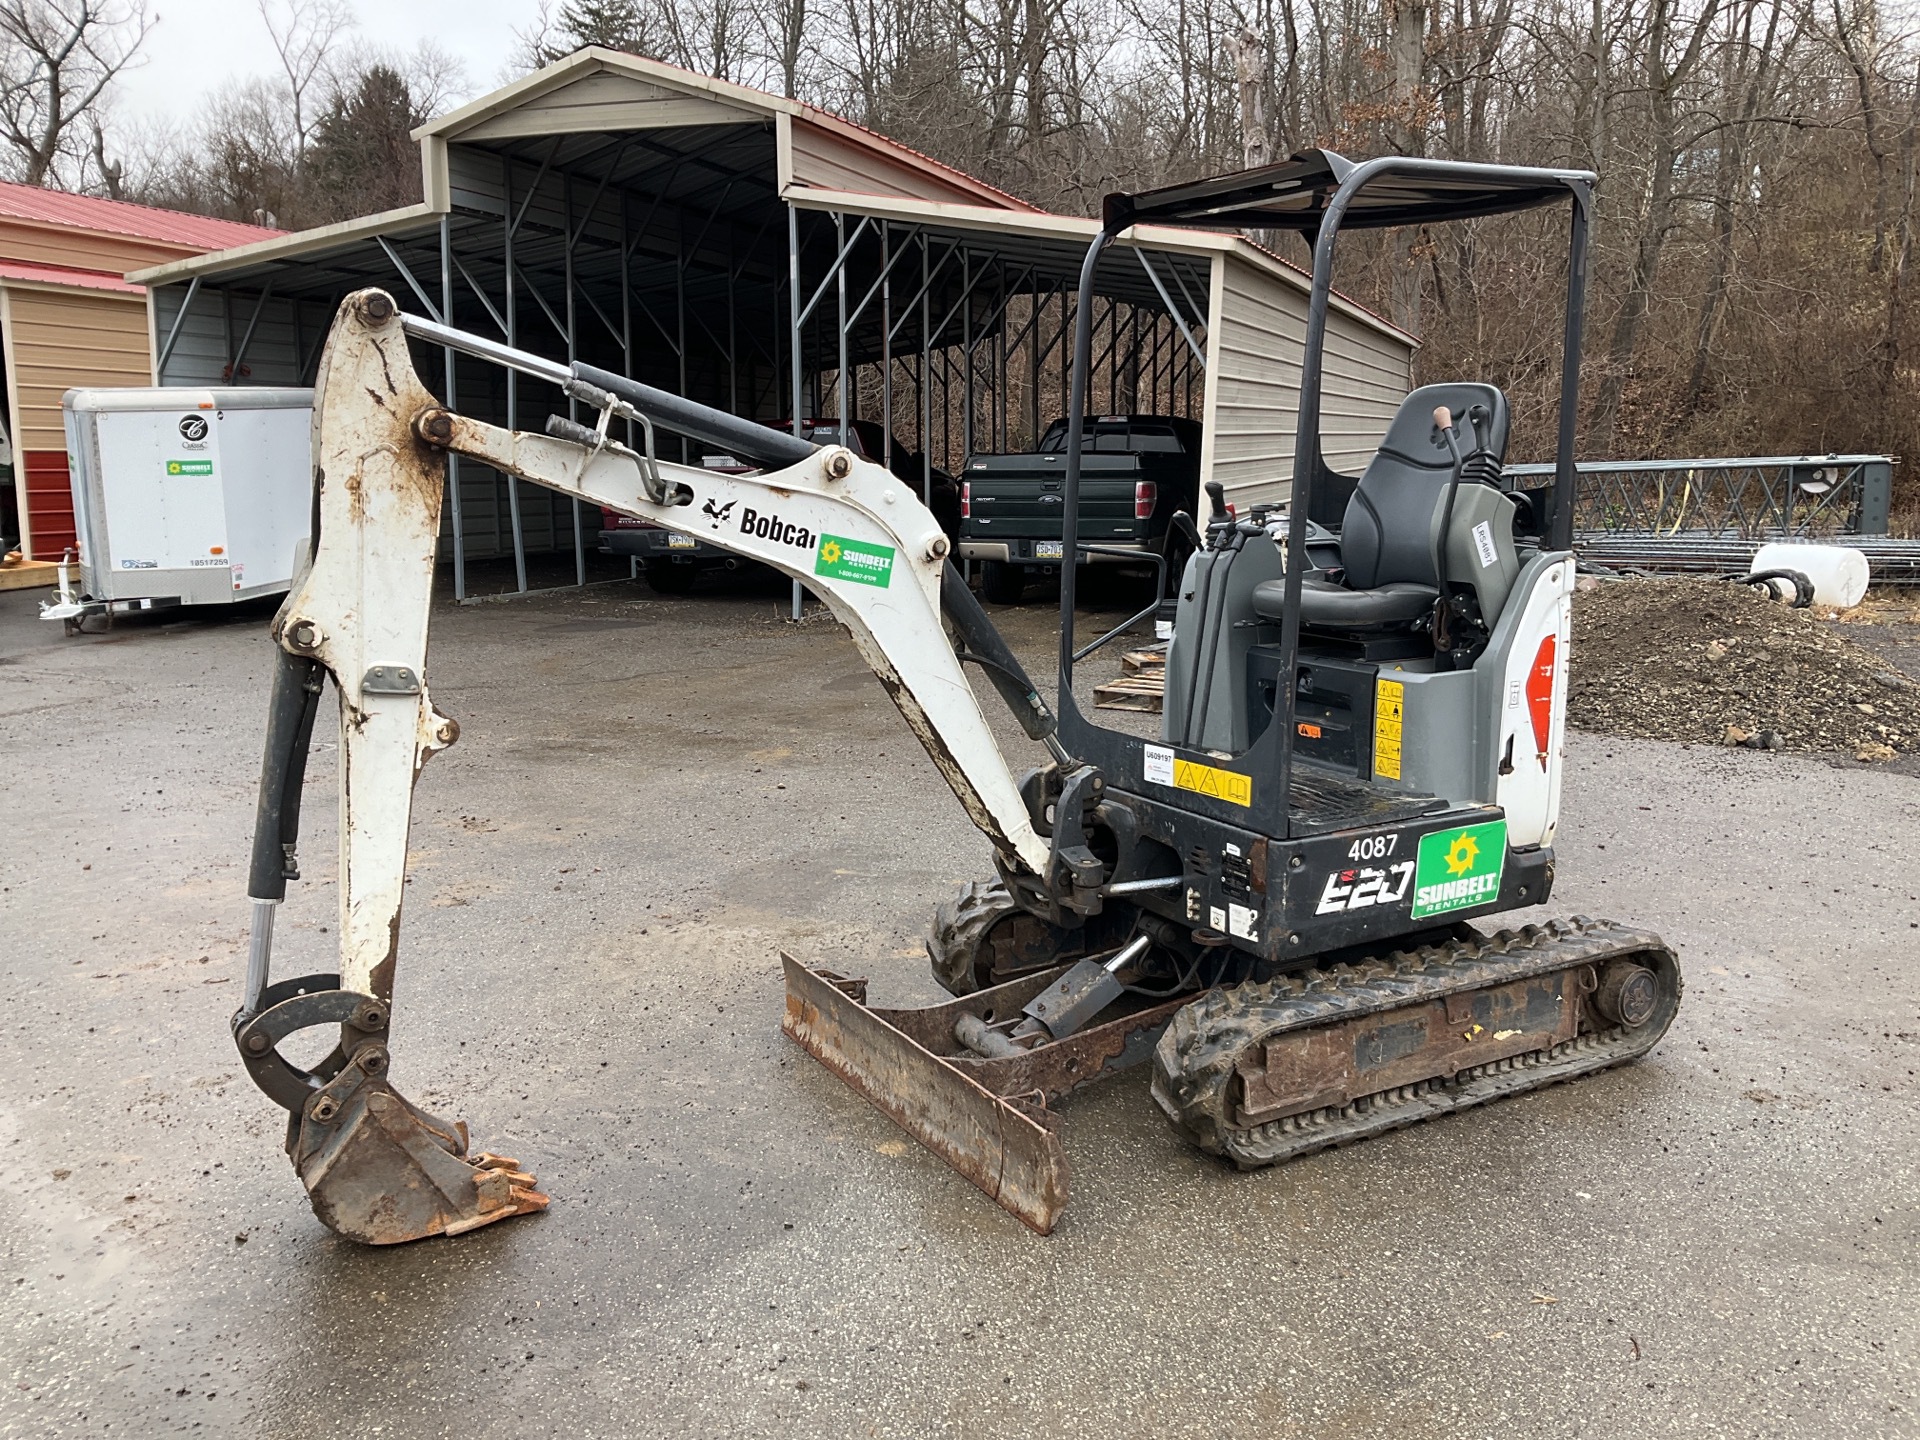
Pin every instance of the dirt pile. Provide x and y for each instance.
(1704, 660)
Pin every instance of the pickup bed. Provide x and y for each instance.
(1136, 471)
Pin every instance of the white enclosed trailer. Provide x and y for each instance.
(184, 496)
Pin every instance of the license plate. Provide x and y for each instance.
(681, 542)
(1049, 549)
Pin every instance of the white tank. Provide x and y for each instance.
(1839, 574)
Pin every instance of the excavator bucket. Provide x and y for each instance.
(383, 1171)
(987, 1117)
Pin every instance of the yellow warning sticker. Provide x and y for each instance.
(1389, 710)
(1206, 780)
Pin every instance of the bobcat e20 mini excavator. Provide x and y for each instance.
(1274, 903)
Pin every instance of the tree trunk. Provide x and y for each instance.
(1407, 46)
(1250, 70)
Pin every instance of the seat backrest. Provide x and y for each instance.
(1391, 534)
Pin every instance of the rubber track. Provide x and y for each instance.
(960, 927)
(1193, 1067)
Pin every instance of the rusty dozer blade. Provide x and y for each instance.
(383, 1171)
(986, 1117)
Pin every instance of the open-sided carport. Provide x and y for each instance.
(749, 252)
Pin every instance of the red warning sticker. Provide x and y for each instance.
(1540, 696)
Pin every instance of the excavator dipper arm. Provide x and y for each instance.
(376, 1167)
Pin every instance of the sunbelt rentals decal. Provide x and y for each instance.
(1457, 869)
(839, 558)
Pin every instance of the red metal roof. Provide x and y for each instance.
(66, 275)
(119, 217)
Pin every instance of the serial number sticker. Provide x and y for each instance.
(1458, 869)
(1049, 549)
(1157, 764)
(1389, 711)
(1483, 543)
(681, 542)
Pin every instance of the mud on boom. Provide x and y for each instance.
(1279, 903)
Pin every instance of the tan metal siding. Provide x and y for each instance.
(82, 249)
(69, 339)
(1259, 335)
(1368, 374)
(605, 102)
(825, 160)
(57, 340)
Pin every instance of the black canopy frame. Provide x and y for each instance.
(1315, 193)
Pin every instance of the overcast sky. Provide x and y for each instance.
(197, 45)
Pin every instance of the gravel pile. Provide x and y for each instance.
(1704, 660)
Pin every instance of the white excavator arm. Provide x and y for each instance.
(846, 527)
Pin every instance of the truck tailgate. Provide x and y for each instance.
(1018, 497)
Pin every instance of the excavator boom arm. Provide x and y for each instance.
(376, 1167)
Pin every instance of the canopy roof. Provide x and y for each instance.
(1295, 194)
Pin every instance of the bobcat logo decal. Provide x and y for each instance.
(717, 514)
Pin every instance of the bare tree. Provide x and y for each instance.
(306, 35)
(1671, 47)
(57, 58)
(1754, 227)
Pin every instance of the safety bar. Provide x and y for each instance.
(1159, 591)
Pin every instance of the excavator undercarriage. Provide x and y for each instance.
(1281, 905)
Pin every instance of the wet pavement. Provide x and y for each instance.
(651, 799)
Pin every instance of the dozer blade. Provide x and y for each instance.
(382, 1171)
(987, 1118)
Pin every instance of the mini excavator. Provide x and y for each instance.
(1280, 903)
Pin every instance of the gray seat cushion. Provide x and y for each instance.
(1390, 540)
(1334, 606)
(1391, 532)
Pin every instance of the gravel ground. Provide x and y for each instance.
(1702, 660)
(649, 801)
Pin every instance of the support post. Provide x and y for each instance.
(453, 404)
(573, 236)
(926, 371)
(511, 223)
(886, 346)
(841, 383)
(793, 339)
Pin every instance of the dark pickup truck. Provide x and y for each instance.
(1136, 471)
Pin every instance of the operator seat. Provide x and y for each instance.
(1390, 538)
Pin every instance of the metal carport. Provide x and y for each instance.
(749, 251)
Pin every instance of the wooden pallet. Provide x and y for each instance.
(1142, 685)
(1132, 692)
(30, 574)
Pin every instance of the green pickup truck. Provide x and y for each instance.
(1136, 472)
